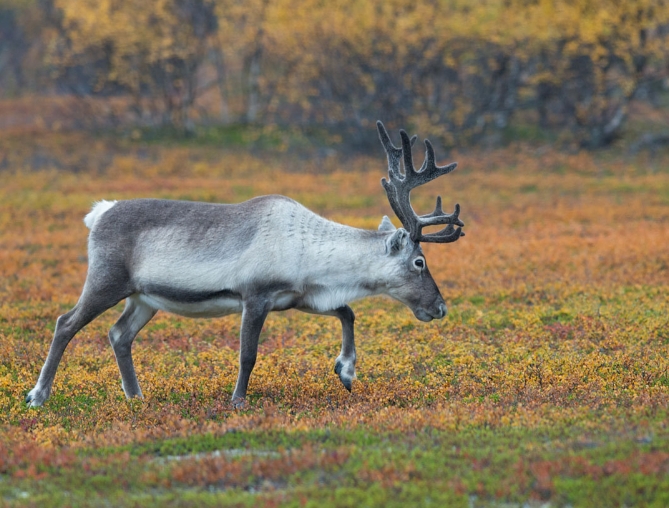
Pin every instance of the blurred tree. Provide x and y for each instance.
(152, 48)
(589, 59)
(460, 69)
(22, 23)
(426, 64)
(13, 46)
(241, 40)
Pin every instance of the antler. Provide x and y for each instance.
(399, 186)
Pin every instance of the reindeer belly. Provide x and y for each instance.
(215, 306)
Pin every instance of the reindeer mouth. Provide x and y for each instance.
(424, 315)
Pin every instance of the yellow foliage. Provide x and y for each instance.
(454, 67)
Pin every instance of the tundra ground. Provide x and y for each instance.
(547, 382)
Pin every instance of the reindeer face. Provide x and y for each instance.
(411, 282)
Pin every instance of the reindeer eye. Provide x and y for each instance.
(419, 263)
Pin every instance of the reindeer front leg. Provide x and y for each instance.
(254, 312)
(345, 363)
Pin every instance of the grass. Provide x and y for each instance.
(471, 466)
(546, 383)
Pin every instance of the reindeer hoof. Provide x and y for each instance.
(35, 398)
(346, 373)
(238, 403)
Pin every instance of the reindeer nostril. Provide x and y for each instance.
(442, 310)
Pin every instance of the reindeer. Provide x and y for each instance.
(266, 254)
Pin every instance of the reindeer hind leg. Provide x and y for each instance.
(121, 336)
(100, 293)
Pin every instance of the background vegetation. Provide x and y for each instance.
(463, 71)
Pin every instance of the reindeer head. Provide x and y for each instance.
(414, 286)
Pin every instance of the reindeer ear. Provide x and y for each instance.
(386, 225)
(397, 241)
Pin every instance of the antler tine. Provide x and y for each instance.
(407, 143)
(447, 235)
(429, 156)
(438, 216)
(429, 170)
(392, 152)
